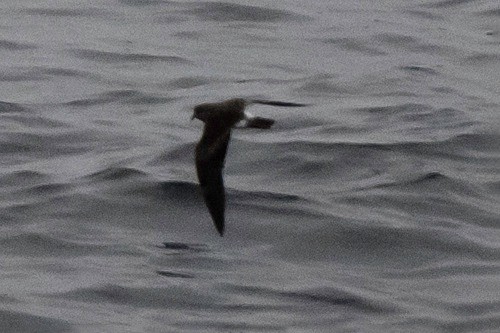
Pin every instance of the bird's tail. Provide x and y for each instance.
(259, 122)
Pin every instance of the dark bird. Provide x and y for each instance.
(219, 119)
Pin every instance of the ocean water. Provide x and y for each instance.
(374, 209)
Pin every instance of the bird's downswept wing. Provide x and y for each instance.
(210, 156)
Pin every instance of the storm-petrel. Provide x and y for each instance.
(219, 119)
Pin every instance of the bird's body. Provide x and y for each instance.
(211, 151)
(210, 154)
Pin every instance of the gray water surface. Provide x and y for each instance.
(375, 209)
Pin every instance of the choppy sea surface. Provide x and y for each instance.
(374, 209)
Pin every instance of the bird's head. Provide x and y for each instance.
(201, 112)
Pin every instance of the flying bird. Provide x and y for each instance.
(210, 153)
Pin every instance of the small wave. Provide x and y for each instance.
(445, 270)
(6, 107)
(12, 321)
(132, 97)
(468, 308)
(47, 189)
(483, 59)
(435, 181)
(475, 141)
(494, 186)
(20, 77)
(188, 194)
(447, 3)
(154, 297)
(431, 177)
(129, 186)
(61, 72)
(487, 323)
(396, 39)
(491, 12)
(333, 296)
(262, 195)
(192, 35)
(351, 44)
(182, 154)
(39, 73)
(70, 205)
(42, 144)
(115, 57)
(228, 12)
(278, 204)
(396, 109)
(408, 43)
(431, 244)
(230, 326)
(327, 295)
(4, 299)
(344, 151)
(176, 246)
(322, 87)
(72, 13)
(23, 177)
(115, 173)
(425, 15)
(180, 191)
(189, 82)
(15, 46)
(328, 149)
(418, 120)
(142, 3)
(419, 69)
(40, 245)
(175, 274)
(33, 121)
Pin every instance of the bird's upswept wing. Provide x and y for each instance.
(210, 156)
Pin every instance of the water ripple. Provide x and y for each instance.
(117, 57)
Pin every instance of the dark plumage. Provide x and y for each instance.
(219, 119)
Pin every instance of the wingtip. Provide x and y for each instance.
(277, 103)
(220, 230)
